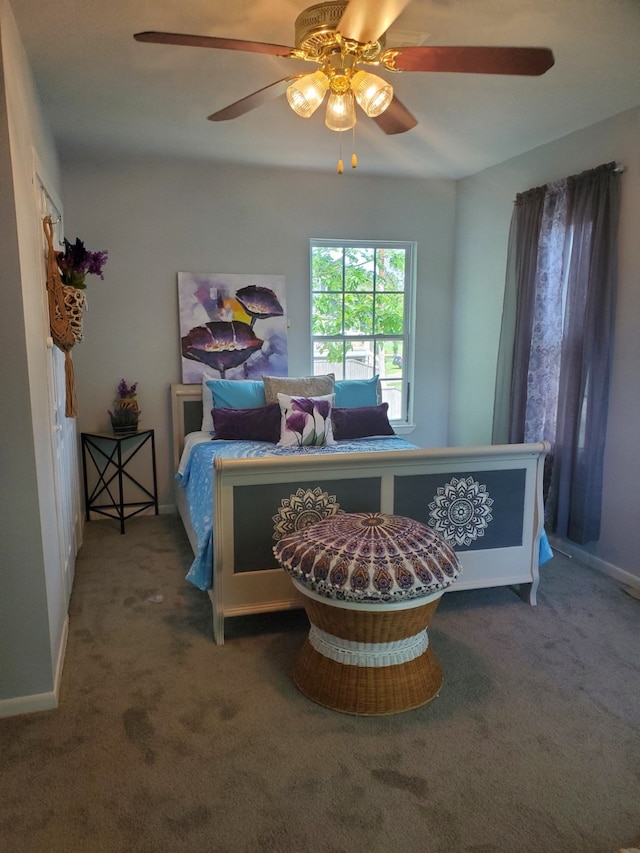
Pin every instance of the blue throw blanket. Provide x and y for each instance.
(197, 478)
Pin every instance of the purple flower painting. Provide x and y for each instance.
(232, 325)
(259, 302)
(221, 346)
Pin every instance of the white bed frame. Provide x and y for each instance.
(270, 589)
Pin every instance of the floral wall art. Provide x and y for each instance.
(232, 326)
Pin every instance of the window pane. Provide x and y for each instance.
(389, 360)
(359, 266)
(389, 314)
(328, 358)
(326, 317)
(358, 313)
(326, 268)
(392, 394)
(359, 359)
(390, 269)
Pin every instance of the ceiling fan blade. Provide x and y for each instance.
(528, 61)
(366, 21)
(257, 99)
(214, 42)
(396, 118)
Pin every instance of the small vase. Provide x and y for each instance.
(125, 429)
(75, 301)
(121, 425)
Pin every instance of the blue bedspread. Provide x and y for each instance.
(197, 478)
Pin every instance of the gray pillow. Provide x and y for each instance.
(297, 386)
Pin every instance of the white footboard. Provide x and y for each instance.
(487, 501)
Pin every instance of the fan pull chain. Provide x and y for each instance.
(354, 156)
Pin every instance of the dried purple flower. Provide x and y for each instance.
(125, 390)
(75, 263)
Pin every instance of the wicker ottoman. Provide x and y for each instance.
(370, 584)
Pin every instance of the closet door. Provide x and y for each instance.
(66, 473)
(64, 435)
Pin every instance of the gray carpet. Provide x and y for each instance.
(165, 742)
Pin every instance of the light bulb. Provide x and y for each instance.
(306, 94)
(341, 112)
(372, 93)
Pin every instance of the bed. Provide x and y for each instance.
(487, 501)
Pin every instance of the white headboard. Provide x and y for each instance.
(186, 415)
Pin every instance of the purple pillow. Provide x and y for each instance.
(361, 422)
(261, 424)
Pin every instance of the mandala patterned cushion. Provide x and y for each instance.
(305, 421)
(369, 557)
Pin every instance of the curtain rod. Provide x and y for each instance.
(618, 168)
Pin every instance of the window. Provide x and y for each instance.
(362, 315)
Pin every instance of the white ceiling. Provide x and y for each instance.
(102, 90)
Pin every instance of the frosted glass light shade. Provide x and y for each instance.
(306, 94)
(341, 112)
(372, 93)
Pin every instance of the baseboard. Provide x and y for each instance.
(163, 509)
(570, 549)
(62, 650)
(28, 704)
(39, 701)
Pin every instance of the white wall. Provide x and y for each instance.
(158, 217)
(32, 598)
(484, 206)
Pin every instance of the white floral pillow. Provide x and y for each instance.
(305, 421)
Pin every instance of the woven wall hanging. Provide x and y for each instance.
(65, 318)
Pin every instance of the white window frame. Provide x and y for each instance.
(405, 422)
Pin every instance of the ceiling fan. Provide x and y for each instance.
(342, 36)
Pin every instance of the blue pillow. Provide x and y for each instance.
(237, 393)
(354, 393)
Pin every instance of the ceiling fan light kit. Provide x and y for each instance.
(340, 37)
(307, 93)
(318, 40)
(372, 92)
(341, 111)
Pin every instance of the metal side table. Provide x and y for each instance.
(111, 456)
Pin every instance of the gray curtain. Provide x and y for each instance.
(563, 273)
(517, 317)
(591, 243)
